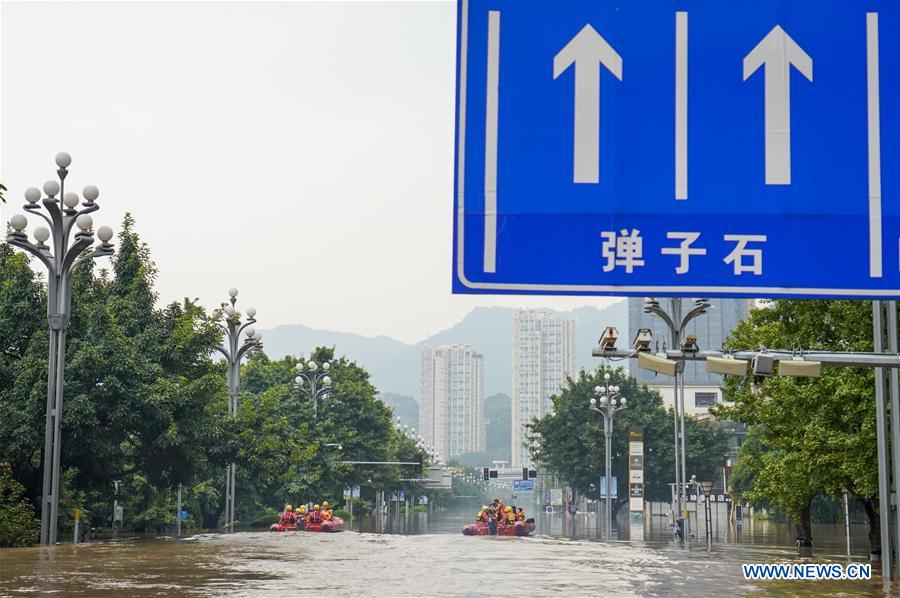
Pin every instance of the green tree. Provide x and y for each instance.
(816, 435)
(18, 525)
(570, 440)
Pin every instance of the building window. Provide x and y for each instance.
(705, 399)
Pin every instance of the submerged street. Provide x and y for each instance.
(432, 559)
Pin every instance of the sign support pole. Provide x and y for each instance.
(884, 498)
(895, 413)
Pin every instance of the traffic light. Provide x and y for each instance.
(532, 473)
(524, 473)
(493, 473)
(487, 473)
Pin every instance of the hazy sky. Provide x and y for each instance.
(302, 152)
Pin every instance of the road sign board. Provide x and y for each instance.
(556, 496)
(523, 485)
(614, 491)
(698, 148)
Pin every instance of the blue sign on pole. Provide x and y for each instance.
(523, 485)
(184, 514)
(697, 148)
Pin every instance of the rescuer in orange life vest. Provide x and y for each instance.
(288, 517)
(301, 514)
(316, 515)
(508, 516)
(483, 515)
(326, 511)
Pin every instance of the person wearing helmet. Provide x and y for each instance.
(301, 515)
(288, 517)
(326, 511)
(482, 516)
(508, 515)
(521, 514)
(316, 515)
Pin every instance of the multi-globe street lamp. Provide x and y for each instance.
(61, 258)
(677, 323)
(234, 351)
(607, 403)
(313, 382)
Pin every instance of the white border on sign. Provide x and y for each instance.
(588, 288)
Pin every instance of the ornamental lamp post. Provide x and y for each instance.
(234, 351)
(609, 404)
(314, 383)
(61, 258)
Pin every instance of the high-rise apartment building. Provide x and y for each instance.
(451, 406)
(701, 387)
(543, 347)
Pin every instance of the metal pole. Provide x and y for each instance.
(895, 414)
(49, 427)
(678, 494)
(683, 451)
(607, 428)
(57, 431)
(178, 512)
(884, 498)
(847, 519)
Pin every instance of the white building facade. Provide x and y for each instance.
(451, 406)
(543, 347)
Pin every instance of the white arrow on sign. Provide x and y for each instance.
(587, 51)
(777, 51)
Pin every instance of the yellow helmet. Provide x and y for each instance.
(302, 508)
(316, 507)
(484, 508)
(325, 504)
(508, 510)
(287, 507)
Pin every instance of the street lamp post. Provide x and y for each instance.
(313, 382)
(677, 324)
(234, 352)
(609, 404)
(61, 259)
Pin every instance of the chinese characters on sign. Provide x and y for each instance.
(626, 249)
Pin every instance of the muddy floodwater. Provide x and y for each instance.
(422, 558)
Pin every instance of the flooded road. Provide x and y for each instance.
(434, 560)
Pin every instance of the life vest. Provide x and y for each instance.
(315, 517)
(288, 517)
(482, 516)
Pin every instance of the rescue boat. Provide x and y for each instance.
(519, 528)
(335, 524)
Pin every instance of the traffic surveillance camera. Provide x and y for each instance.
(642, 339)
(689, 344)
(763, 365)
(608, 339)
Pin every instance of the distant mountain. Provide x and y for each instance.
(395, 366)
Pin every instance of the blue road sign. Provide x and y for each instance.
(697, 147)
(523, 485)
(184, 514)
